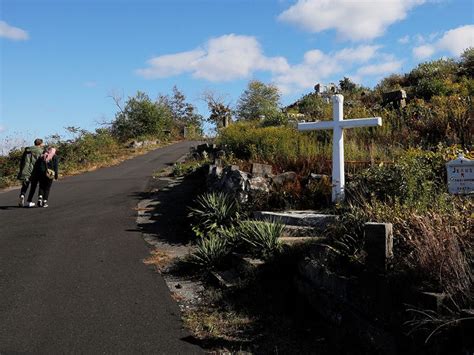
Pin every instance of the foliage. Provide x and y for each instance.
(413, 179)
(262, 237)
(186, 168)
(210, 251)
(438, 252)
(314, 107)
(428, 79)
(214, 211)
(141, 117)
(220, 111)
(288, 149)
(257, 100)
(347, 85)
(183, 113)
(466, 63)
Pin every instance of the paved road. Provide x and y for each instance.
(72, 278)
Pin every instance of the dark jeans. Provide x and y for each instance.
(24, 187)
(44, 187)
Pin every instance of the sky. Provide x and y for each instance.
(62, 60)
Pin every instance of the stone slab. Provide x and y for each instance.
(307, 218)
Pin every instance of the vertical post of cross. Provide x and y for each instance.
(338, 179)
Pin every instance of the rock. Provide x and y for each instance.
(141, 144)
(220, 154)
(258, 184)
(312, 219)
(235, 182)
(214, 176)
(135, 144)
(284, 178)
(263, 170)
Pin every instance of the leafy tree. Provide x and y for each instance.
(313, 106)
(183, 113)
(433, 78)
(467, 63)
(220, 111)
(141, 117)
(258, 99)
(347, 85)
(390, 83)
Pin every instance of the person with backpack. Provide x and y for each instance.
(27, 163)
(44, 172)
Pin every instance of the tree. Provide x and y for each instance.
(220, 112)
(141, 117)
(347, 85)
(467, 62)
(433, 78)
(257, 100)
(184, 114)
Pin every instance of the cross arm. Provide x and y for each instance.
(311, 126)
(361, 122)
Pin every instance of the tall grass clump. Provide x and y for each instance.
(214, 210)
(211, 251)
(262, 237)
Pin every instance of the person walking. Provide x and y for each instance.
(44, 172)
(27, 163)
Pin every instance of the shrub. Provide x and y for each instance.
(416, 178)
(262, 237)
(214, 211)
(210, 252)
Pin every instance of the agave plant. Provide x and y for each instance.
(214, 211)
(210, 251)
(262, 237)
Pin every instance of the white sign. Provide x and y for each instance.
(460, 176)
(337, 125)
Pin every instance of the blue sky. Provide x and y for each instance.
(61, 59)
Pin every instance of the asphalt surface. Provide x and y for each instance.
(72, 278)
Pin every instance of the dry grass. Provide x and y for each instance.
(159, 258)
(440, 251)
(215, 323)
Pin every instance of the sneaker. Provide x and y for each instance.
(21, 202)
(45, 204)
(30, 204)
(40, 201)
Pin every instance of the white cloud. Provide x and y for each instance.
(457, 40)
(13, 33)
(454, 41)
(223, 58)
(423, 51)
(2, 129)
(380, 69)
(231, 57)
(354, 20)
(404, 39)
(318, 67)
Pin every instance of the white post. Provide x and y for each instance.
(338, 179)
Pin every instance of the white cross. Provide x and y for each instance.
(337, 125)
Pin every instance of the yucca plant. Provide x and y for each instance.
(210, 251)
(262, 237)
(214, 211)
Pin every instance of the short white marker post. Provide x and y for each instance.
(337, 125)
